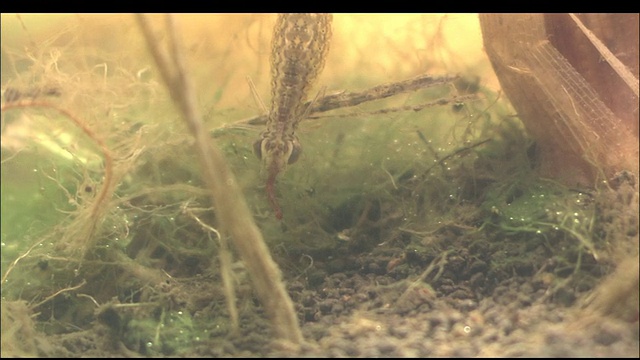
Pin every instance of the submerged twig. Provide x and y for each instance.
(349, 99)
(232, 210)
(70, 288)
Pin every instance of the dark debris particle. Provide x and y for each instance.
(606, 335)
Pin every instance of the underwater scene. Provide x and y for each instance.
(320, 185)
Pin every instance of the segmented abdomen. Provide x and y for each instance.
(299, 48)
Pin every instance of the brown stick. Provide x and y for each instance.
(231, 208)
(349, 99)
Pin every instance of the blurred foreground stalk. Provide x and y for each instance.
(231, 208)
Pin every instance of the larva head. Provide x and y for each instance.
(276, 153)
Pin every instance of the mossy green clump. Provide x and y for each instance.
(543, 208)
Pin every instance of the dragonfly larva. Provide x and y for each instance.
(299, 47)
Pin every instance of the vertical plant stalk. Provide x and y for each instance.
(232, 210)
